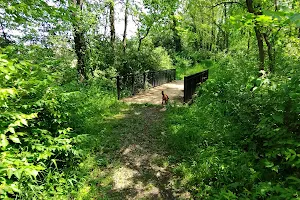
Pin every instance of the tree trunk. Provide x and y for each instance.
(260, 44)
(80, 45)
(125, 26)
(3, 31)
(271, 53)
(106, 22)
(201, 38)
(259, 37)
(212, 30)
(226, 41)
(276, 5)
(112, 23)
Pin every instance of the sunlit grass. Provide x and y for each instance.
(186, 71)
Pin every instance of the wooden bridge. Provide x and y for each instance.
(147, 87)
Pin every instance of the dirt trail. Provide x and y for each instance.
(173, 89)
(140, 169)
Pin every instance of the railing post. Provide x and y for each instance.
(174, 74)
(185, 90)
(132, 84)
(153, 79)
(118, 87)
(144, 81)
(207, 74)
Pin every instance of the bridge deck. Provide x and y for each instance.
(153, 96)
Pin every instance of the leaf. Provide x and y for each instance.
(10, 172)
(23, 121)
(4, 142)
(275, 168)
(15, 188)
(15, 139)
(32, 172)
(278, 118)
(269, 164)
(54, 162)
(10, 129)
(292, 151)
(294, 180)
(18, 173)
(7, 77)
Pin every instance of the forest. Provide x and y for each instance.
(65, 135)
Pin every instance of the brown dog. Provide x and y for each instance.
(165, 98)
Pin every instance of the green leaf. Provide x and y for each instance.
(33, 172)
(294, 180)
(269, 164)
(278, 118)
(18, 173)
(10, 172)
(7, 77)
(23, 121)
(54, 162)
(15, 139)
(4, 142)
(10, 129)
(15, 188)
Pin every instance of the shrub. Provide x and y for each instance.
(37, 146)
(239, 140)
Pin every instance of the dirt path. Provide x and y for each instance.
(174, 90)
(138, 167)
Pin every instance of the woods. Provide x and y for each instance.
(62, 126)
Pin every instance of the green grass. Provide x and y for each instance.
(186, 71)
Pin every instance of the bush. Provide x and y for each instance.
(37, 145)
(239, 140)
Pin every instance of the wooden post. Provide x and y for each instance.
(185, 90)
(207, 74)
(144, 81)
(174, 74)
(118, 87)
(132, 84)
(153, 81)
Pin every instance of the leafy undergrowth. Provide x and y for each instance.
(240, 139)
(43, 129)
(37, 146)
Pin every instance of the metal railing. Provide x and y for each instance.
(191, 82)
(131, 84)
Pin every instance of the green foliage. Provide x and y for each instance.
(36, 143)
(184, 67)
(240, 139)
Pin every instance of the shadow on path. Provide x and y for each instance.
(133, 163)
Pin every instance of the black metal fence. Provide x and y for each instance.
(131, 84)
(191, 82)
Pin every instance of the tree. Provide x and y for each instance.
(111, 5)
(80, 45)
(125, 25)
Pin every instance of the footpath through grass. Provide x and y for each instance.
(127, 156)
(128, 149)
